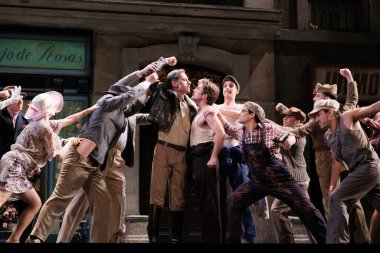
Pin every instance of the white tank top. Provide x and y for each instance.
(199, 134)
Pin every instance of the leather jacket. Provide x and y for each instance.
(165, 108)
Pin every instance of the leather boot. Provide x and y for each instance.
(176, 226)
(154, 223)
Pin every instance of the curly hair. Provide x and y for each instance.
(211, 89)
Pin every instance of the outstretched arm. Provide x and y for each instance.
(69, 120)
(365, 111)
(372, 124)
(351, 118)
(234, 114)
(8, 101)
(15, 97)
(111, 103)
(306, 129)
(352, 90)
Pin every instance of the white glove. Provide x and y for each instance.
(16, 92)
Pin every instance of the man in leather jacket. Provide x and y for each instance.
(172, 112)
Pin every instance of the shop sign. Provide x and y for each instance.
(368, 80)
(24, 55)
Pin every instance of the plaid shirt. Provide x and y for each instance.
(271, 132)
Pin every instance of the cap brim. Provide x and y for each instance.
(286, 112)
(313, 112)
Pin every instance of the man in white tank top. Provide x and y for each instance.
(206, 140)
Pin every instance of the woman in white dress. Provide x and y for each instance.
(37, 143)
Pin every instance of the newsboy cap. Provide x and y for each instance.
(232, 79)
(256, 109)
(331, 89)
(294, 111)
(322, 104)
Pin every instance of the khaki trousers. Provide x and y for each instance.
(115, 179)
(168, 169)
(323, 164)
(75, 174)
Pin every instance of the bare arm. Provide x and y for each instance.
(217, 127)
(69, 120)
(373, 124)
(352, 117)
(230, 113)
(222, 119)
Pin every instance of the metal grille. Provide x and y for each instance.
(238, 3)
(337, 15)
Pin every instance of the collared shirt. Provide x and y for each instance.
(270, 132)
(15, 119)
(177, 134)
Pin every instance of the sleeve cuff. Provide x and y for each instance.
(140, 88)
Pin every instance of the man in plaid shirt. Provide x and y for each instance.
(268, 174)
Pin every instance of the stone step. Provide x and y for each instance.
(135, 229)
(300, 234)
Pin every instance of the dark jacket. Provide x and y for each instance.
(129, 151)
(104, 127)
(107, 122)
(165, 108)
(8, 134)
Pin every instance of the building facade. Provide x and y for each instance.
(277, 50)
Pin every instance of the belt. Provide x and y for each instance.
(176, 147)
